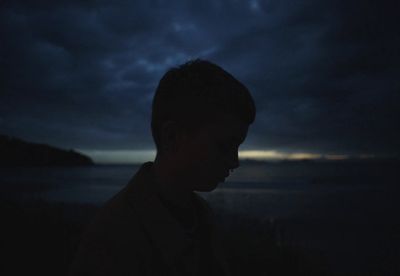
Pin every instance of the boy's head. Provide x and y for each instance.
(200, 116)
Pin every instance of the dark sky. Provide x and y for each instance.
(324, 74)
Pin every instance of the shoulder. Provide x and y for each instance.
(115, 240)
(112, 220)
(116, 223)
(112, 241)
(118, 218)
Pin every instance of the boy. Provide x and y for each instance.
(157, 225)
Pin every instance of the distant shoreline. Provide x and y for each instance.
(15, 152)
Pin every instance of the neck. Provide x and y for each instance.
(170, 183)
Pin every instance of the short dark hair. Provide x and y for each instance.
(195, 93)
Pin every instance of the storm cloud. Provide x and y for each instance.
(324, 74)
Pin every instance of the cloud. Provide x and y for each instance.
(81, 74)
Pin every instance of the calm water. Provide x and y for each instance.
(348, 212)
(280, 191)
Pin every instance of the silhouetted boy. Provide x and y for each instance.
(157, 225)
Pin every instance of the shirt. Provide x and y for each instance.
(139, 233)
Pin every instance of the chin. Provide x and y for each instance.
(207, 188)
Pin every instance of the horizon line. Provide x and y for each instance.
(122, 157)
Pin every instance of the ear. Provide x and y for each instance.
(171, 136)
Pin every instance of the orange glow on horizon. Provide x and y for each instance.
(141, 156)
(276, 155)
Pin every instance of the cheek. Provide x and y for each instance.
(203, 157)
(213, 163)
(205, 160)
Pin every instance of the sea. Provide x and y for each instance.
(348, 212)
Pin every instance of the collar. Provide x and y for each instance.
(166, 234)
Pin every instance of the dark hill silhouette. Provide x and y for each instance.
(16, 152)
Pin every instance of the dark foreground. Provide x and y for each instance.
(40, 238)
